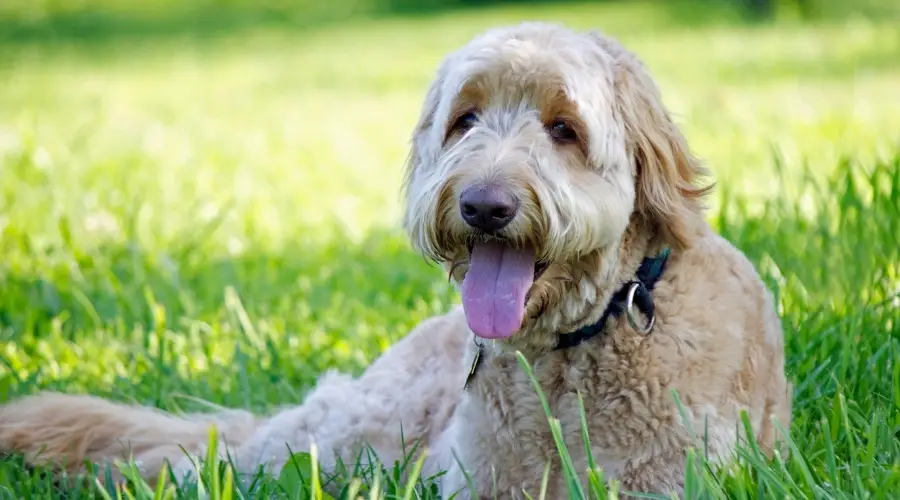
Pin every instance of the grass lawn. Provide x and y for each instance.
(216, 217)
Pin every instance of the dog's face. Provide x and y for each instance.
(536, 149)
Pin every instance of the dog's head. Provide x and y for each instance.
(536, 150)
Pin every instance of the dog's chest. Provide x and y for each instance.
(506, 433)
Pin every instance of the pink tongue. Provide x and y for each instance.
(493, 292)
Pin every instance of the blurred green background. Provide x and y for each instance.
(201, 197)
(101, 19)
(155, 154)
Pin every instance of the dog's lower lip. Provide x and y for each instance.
(539, 269)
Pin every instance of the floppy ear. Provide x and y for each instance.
(423, 148)
(668, 175)
(418, 142)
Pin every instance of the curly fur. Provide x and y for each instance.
(592, 209)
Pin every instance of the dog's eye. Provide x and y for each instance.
(464, 122)
(562, 133)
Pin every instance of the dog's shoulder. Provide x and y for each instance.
(719, 328)
(715, 270)
(716, 319)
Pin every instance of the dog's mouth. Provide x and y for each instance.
(496, 286)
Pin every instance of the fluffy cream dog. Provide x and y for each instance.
(548, 178)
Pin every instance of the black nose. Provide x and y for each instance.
(487, 207)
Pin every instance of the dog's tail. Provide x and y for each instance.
(69, 431)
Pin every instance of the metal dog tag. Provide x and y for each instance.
(476, 362)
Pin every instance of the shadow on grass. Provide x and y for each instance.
(103, 21)
(99, 21)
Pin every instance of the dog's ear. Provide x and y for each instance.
(668, 186)
(419, 141)
(423, 149)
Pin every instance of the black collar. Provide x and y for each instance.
(635, 292)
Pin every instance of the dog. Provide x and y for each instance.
(549, 180)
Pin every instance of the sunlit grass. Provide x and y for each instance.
(217, 217)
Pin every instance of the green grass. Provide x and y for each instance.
(215, 217)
